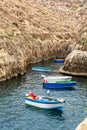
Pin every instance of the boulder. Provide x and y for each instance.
(82, 125)
(75, 63)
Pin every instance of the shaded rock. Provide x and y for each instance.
(75, 63)
(82, 125)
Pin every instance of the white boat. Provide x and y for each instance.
(55, 78)
(44, 102)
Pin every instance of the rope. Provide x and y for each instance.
(71, 108)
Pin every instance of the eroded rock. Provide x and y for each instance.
(75, 63)
(82, 125)
(32, 31)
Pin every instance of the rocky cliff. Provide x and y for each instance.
(36, 30)
(75, 64)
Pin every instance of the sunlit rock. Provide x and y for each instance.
(36, 31)
(82, 125)
(75, 63)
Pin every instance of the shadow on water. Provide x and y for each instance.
(10, 86)
(82, 81)
(62, 89)
(51, 113)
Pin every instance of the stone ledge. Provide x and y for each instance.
(72, 73)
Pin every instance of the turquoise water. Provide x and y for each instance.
(15, 115)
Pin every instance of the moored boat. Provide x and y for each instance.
(41, 69)
(59, 84)
(55, 78)
(44, 102)
(59, 60)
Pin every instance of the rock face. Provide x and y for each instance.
(82, 125)
(36, 30)
(75, 63)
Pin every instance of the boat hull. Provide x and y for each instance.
(59, 60)
(44, 104)
(59, 85)
(57, 78)
(41, 69)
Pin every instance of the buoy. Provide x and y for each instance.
(48, 92)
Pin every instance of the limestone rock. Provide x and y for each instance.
(75, 63)
(32, 31)
(82, 125)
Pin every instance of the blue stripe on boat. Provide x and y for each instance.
(58, 60)
(43, 101)
(56, 108)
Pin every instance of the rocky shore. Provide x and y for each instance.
(75, 64)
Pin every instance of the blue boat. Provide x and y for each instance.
(59, 85)
(41, 69)
(44, 102)
(59, 60)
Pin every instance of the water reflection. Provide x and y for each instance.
(54, 114)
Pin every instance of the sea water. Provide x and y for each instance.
(15, 115)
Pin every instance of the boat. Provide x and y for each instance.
(44, 102)
(59, 84)
(58, 60)
(41, 69)
(55, 78)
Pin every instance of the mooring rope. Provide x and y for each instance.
(69, 105)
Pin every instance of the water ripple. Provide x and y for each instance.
(15, 115)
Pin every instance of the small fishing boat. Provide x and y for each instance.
(55, 78)
(44, 102)
(41, 69)
(59, 60)
(59, 84)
